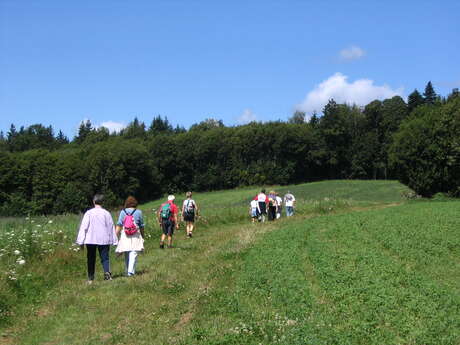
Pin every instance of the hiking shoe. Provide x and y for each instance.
(170, 246)
(162, 245)
(189, 234)
(107, 276)
(89, 282)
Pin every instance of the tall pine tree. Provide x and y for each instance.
(414, 100)
(429, 94)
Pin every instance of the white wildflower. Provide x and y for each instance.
(50, 222)
(21, 262)
(17, 252)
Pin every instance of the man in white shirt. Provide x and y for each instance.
(289, 202)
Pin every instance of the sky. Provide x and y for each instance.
(62, 62)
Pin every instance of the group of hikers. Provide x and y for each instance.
(98, 232)
(270, 206)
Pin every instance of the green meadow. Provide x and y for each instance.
(359, 263)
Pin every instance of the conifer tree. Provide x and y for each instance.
(414, 100)
(429, 94)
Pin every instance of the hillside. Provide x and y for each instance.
(358, 264)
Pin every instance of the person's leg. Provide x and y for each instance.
(189, 228)
(171, 226)
(104, 252)
(163, 235)
(126, 262)
(132, 263)
(91, 260)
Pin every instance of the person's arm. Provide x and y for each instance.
(141, 223)
(158, 215)
(176, 217)
(175, 221)
(83, 229)
(117, 229)
(112, 229)
(119, 225)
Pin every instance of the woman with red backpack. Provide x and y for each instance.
(131, 225)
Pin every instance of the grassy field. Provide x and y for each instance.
(358, 264)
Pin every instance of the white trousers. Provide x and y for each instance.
(130, 262)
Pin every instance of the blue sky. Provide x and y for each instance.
(109, 61)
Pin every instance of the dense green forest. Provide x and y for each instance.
(417, 142)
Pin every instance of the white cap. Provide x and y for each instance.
(171, 197)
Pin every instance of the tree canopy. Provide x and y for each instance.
(417, 142)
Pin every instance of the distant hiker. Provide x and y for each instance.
(262, 200)
(189, 211)
(289, 202)
(279, 206)
(131, 225)
(167, 218)
(98, 233)
(272, 207)
(254, 210)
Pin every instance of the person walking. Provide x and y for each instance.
(97, 232)
(262, 200)
(254, 210)
(189, 211)
(131, 225)
(167, 218)
(272, 208)
(289, 203)
(279, 205)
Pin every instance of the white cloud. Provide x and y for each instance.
(246, 117)
(352, 53)
(359, 92)
(113, 126)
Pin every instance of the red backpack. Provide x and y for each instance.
(129, 224)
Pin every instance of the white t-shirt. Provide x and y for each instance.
(289, 200)
(261, 197)
(279, 201)
(254, 204)
(189, 204)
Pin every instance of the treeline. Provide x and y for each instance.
(417, 142)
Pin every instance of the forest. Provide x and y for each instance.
(416, 142)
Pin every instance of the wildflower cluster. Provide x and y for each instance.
(22, 242)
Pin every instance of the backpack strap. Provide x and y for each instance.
(126, 212)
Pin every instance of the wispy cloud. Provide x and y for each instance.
(359, 92)
(246, 117)
(352, 53)
(113, 126)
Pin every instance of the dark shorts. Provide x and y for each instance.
(262, 207)
(168, 227)
(189, 217)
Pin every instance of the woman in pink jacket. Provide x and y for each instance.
(97, 231)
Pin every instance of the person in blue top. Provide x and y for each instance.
(132, 237)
